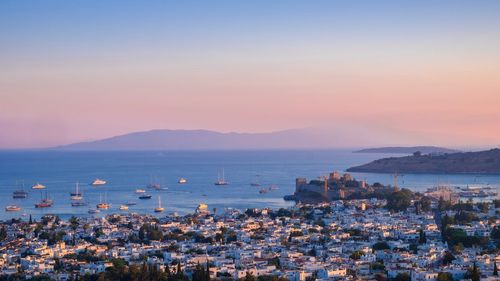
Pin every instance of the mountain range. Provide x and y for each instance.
(205, 140)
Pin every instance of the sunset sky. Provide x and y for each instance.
(394, 72)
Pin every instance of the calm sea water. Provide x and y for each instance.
(127, 171)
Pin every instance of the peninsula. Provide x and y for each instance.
(408, 150)
(481, 162)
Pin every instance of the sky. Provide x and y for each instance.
(390, 72)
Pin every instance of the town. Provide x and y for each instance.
(369, 239)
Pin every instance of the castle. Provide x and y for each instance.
(333, 187)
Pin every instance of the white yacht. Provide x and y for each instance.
(38, 186)
(12, 208)
(98, 182)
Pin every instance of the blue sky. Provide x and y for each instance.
(127, 66)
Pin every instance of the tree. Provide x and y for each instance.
(356, 255)
(425, 204)
(249, 277)
(473, 273)
(443, 205)
(399, 200)
(199, 273)
(448, 258)
(207, 273)
(404, 276)
(3, 234)
(422, 238)
(444, 276)
(483, 206)
(380, 246)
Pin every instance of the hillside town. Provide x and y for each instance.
(370, 239)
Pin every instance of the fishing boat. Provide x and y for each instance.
(273, 187)
(98, 182)
(159, 209)
(159, 188)
(130, 203)
(19, 194)
(140, 191)
(44, 203)
(154, 185)
(94, 211)
(12, 208)
(145, 196)
(123, 207)
(76, 195)
(78, 203)
(182, 181)
(103, 205)
(221, 181)
(38, 186)
(255, 182)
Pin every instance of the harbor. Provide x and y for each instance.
(157, 174)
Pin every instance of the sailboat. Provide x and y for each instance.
(20, 193)
(102, 205)
(155, 185)
(45, 202)
(77, 195)
(256, 182)
(159, 209)
(221, 181)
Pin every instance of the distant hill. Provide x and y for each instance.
(203, 140)
(408, 149)
(482, 162)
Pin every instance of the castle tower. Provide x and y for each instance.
(341, 193)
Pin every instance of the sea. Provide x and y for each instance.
(126, 171)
